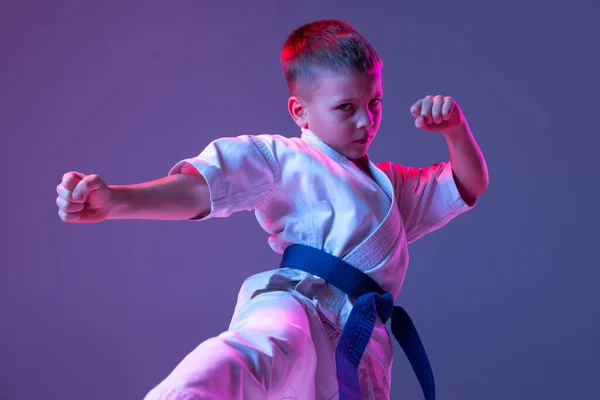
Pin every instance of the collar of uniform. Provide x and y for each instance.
(309, 137)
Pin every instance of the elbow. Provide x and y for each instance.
(471, 190)
(197, 201)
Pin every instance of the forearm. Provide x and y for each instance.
(175, 197)
(468, 164)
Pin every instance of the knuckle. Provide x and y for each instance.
(94, 180)
(63, 193)
(82, 186)
(67, 216)
(69, 176)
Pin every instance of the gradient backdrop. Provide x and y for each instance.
(505, 296)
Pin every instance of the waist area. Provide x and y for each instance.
(330, 303)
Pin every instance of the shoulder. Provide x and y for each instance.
(395, 172)
(278, 141)
(283, 148)
(273, 147)
(402, 173)
(265, 143)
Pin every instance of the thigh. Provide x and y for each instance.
(273, 334)
(267, 349)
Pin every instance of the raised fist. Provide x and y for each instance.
(83, 198)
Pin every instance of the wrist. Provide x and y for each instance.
(119, 203)
(458, 131)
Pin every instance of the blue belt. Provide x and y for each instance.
(371, 300)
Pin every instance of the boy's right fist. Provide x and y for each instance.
(82, 198)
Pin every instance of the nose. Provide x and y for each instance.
(365, 119)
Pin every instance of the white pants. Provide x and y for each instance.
(268, 353)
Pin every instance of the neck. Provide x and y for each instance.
(363, 164)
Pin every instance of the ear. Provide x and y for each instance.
(298, 111)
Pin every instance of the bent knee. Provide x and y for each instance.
(251, 366)
(273, 321)
(214, 368)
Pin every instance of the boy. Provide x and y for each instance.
(313, 328)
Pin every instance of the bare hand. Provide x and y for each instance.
(82, 198)
(436, 113)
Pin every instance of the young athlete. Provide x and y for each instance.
(314, 327)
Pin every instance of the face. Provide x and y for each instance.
(342, 109)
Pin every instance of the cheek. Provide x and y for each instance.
(323, 118)
(377, 116)
(334, 120)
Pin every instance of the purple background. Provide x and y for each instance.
(505, 296)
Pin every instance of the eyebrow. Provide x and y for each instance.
(350, 99)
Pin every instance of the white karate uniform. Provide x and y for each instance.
(284, 331)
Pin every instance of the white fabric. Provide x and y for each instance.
(303, 191)
(222, 368)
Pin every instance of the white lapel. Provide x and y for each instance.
(371, 251)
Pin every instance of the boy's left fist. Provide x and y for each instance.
(436, 113)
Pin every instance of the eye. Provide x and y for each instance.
(375, 102)
(345, 107)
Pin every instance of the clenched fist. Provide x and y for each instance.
(83, 198)
(436, 113)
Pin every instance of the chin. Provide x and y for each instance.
(355, 155)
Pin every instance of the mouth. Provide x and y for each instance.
(364, 140)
